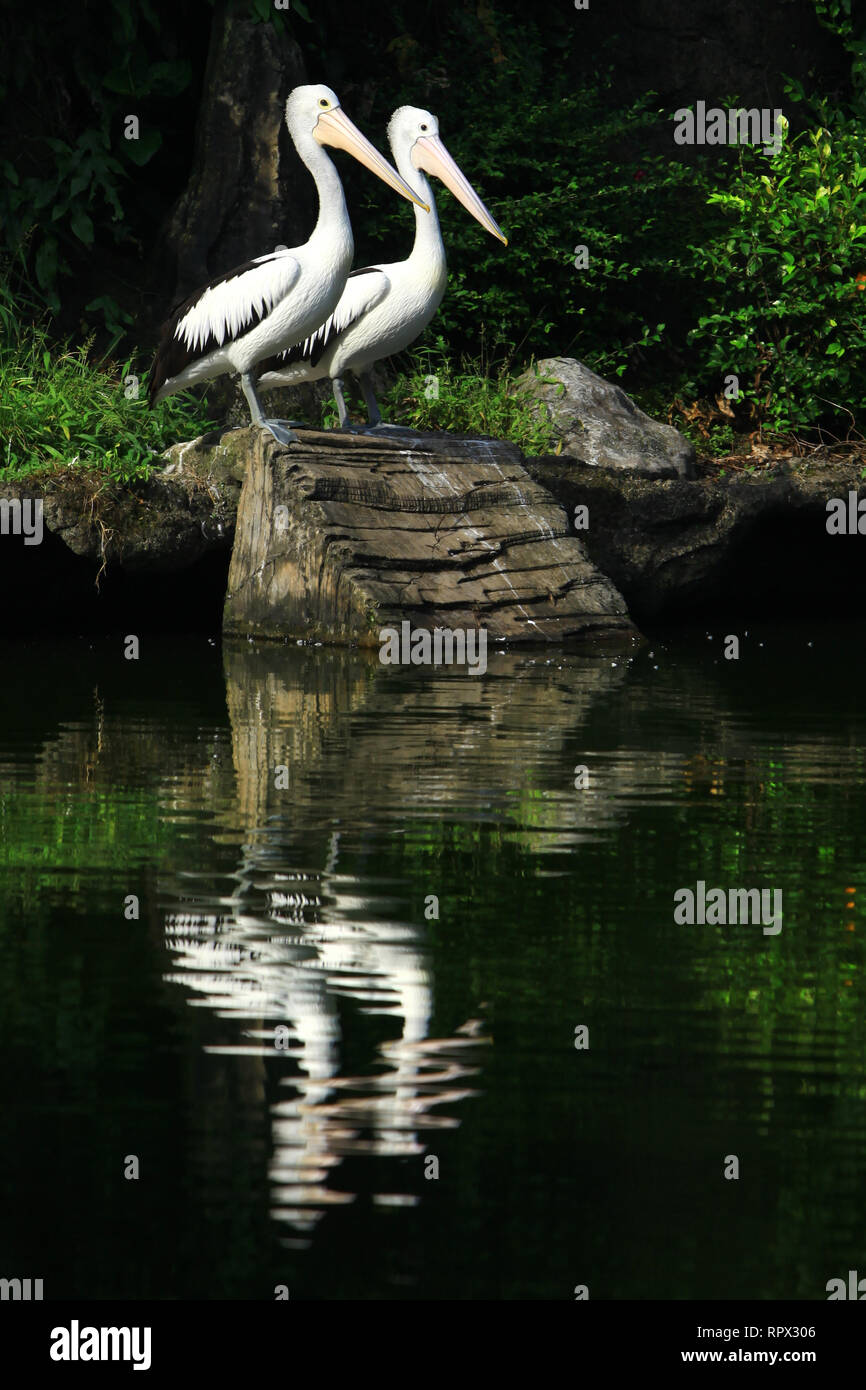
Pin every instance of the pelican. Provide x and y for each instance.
(278, 299)
(384, 308)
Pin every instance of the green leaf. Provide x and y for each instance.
(169, 78)
(46, 263)
(119, 80)
(123, 9)
(94, 140)
(44, 193)
(110, 308)
(81, 226)
(143, 149)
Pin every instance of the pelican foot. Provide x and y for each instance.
(281, 430)
(383, 425)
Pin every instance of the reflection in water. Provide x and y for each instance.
(284, 816)
(290, 947)
(289, 944)
(326, 740)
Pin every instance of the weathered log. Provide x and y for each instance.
(341, 535)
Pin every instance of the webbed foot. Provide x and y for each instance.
(281, 430)
(382, 426)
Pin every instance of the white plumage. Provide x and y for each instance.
(362, 293)
(384, 308)
(276, 299)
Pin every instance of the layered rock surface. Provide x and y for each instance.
(745, 543)
(340, 535)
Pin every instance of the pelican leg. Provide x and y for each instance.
(278, 428)
(342, 408)
(373, 413)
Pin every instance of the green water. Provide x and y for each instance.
(287, 1034)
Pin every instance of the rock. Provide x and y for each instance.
(597, 423)
(139, 556)
(340, 535)
(387, 520)
(164, 523)
(218, 458)
(745, 544)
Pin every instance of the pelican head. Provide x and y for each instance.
(316, 111)
(414, 129)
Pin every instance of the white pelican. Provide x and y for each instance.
(275, 300)
(384, 308)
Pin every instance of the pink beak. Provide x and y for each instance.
(429, 154)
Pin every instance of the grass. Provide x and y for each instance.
(432, 393)
(59, 408)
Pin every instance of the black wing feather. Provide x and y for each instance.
(172, 354)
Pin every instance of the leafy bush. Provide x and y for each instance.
(699, 265)
(559, 169)
(836, 16)
(59, 197)
(786, 277)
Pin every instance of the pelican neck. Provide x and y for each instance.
(333, 222)
(428, 243)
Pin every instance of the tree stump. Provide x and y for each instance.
(341, 535)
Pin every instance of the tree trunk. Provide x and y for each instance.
(247, 190)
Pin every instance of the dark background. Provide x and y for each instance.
(533, 100)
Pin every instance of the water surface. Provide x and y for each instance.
(373, 908)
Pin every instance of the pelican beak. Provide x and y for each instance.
(334, 128)
(429, 154)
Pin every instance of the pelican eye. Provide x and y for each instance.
(323, 101)
(423, 127)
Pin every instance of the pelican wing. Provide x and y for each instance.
(227, 307)
(220, 312)
(364, 289)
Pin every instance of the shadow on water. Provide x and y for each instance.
(374, 907)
